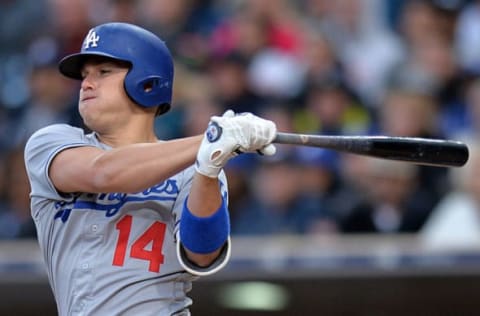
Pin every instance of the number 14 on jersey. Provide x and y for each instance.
(153, 235)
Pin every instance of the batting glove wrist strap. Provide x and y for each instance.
(217, 147)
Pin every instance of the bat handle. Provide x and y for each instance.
(290, 138)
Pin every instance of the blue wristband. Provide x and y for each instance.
(204, 234)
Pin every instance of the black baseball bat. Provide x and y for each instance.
(422, 151)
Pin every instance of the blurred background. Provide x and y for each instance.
(314, 231)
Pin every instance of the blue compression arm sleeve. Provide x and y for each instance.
(204, 234)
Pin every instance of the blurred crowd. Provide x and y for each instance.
(343, 67)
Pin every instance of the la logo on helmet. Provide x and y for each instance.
(91, 39)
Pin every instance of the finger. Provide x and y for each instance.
(228, 113)
(268, 150)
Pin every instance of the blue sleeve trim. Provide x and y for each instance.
(204, 234)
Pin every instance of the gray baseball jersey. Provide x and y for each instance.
(111, 253)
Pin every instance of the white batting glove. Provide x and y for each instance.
(229, 135)
(256, 135)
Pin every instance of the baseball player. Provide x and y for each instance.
(126, 221)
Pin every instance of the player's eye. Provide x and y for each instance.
(104, 71)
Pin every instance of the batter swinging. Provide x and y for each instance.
(126, 221)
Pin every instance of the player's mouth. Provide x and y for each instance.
(86, 98)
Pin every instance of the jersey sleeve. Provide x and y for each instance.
(40, 150)
(224, 256)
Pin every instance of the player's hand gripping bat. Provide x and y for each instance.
(424, 151)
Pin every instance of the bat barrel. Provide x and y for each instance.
(435, 152)
(421, 151)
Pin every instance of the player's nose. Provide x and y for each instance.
(87, 82)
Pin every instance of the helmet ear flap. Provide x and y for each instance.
(148, 90)
(150, 84)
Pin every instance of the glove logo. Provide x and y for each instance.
(214, 131)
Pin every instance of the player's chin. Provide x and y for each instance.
(83, 110)
(89, 114)
(88, 107)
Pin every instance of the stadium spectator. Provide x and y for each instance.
(455, 221)
(390, 203)
(15, 219)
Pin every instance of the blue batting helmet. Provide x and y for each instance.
(150, 78)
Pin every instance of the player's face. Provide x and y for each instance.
(103, 102)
